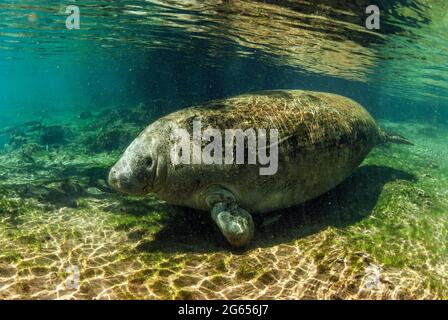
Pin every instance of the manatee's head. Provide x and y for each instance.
(136, 171)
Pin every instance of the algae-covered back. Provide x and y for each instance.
(322, 138)
(304, 118)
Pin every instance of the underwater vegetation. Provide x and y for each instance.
(380, 234)
(69, 108)
(117, 128)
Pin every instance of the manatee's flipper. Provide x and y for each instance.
(392, 137)
(235, 223)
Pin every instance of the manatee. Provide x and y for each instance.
(322, 139)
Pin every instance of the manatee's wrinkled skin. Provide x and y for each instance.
(324, 137)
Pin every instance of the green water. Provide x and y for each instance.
(71, 101)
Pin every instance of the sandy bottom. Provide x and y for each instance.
(379, 235)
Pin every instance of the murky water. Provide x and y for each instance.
(71, 101)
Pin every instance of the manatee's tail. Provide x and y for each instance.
(392, 137)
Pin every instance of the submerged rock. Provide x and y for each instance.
(52, 135)
(94, 191)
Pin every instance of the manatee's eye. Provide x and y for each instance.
(147, 163)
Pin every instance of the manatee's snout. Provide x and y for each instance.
(134, 172)
(114, 180)
(124, 183)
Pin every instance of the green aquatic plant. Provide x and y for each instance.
(219, 264)
(11, 257)
(29, 152)
(17, 139)
(10, 206)
(114, 129)
(108, 139)
(141, 115)
(248, 271)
